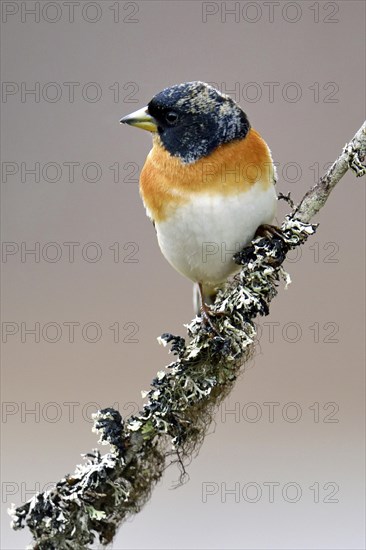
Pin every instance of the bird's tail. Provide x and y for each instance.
(209, 296)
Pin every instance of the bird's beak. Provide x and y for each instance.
(141, 119)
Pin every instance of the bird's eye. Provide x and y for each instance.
(171, 117)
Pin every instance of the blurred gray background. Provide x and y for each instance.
(283, 468)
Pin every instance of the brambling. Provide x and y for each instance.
(207, 183)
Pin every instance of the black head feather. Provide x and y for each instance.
(194, 119)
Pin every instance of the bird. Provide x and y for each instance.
(207, 184)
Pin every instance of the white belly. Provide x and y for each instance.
(200, 238)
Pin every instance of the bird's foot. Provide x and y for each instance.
(268, 231)
(207, 314)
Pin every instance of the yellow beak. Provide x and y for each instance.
(141, 119)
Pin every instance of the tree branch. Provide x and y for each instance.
(353, 156)
(183, 398)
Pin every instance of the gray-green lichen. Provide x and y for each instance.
(94, 501)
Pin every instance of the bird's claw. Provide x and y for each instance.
(268, 231)
(206, 314)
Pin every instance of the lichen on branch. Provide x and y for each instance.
(105, 490)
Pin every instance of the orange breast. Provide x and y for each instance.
(166, 182)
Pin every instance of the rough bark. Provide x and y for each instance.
(105, 490)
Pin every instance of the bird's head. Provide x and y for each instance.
(192, 120)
